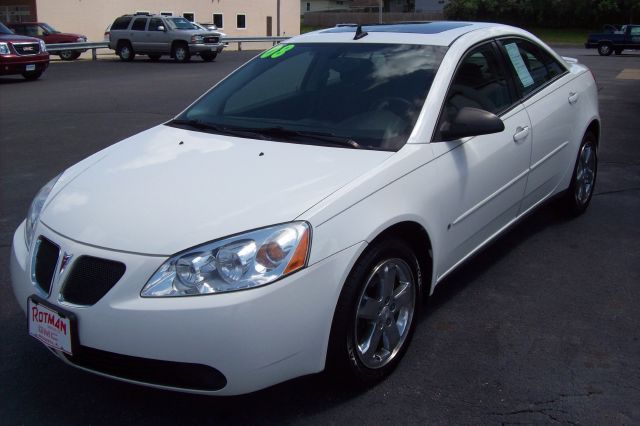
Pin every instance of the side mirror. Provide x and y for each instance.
(162, 28)
(45, 33)
(470, 122)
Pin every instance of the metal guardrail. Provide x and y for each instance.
(93, 46)
(58, 47)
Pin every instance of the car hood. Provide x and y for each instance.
(168, 189)
(15, 38)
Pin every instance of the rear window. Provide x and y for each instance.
(121, 23)
(139, 24)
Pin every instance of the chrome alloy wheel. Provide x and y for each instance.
(385, 311)
(180, 54)
(585, 173)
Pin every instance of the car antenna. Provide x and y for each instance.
(360, 33)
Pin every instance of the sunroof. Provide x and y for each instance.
(406, 27)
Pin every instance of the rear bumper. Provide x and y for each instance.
(15, 64)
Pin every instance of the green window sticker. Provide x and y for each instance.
(277, 51)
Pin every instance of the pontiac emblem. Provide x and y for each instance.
(66, 258)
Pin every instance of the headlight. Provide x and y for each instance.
(36, 208)
(43, 46)
(4, 49)
(197, 39)
(244, 261)
(81, 39)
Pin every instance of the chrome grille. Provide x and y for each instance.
(26, 49)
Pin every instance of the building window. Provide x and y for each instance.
(308, 7)
(189, 16)
(241, 21)
(217, 20)
(166, 13)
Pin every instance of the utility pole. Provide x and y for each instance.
(278, 18)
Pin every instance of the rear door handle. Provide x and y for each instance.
(521, 133)
(573, 97)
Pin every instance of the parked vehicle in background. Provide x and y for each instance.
(50, 35)
(608, 42)
(211, 27)
(156, 35)
(22, 55)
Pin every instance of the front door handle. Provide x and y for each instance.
(521, 133)
(573, 97)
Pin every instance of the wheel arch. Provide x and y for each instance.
(418, 239)
(594, 127)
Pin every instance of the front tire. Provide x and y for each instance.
(69, 55)
(376, 314)
(208, 57)
(32, 75)
(181, 53)
(605, 49)
(580, 192)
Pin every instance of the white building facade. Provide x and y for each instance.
(236, 18)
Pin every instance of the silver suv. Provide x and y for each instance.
(156, 35)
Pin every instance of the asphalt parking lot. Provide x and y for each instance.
(542, 327)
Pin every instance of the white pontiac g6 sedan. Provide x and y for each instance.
(294, 218)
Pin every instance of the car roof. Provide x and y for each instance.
(435, 33)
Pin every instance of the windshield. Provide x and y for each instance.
(180, 24)
(367, 95)
(4, 30)
(48, 28)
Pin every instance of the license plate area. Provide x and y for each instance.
(54, 327)
(31, 67)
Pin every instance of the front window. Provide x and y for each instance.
(180, 23)
(366, 95)
(48, 28)
(4, 30)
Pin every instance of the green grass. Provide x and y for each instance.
(559, 35)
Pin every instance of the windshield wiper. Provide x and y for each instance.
(328, 138)
(213, 128)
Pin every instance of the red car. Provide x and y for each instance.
(49, 35)
(22, 55)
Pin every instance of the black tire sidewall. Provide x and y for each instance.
(574, 206)
(342, 358)
(187, 56)
(605, 53)
(131, 52)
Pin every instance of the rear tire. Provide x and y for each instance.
(181, 53)
(375, 315)
(208, 57)
(605, 49)
(125, 52)
(32, 75)
(583, 180)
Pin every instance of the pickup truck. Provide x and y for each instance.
(628, 37)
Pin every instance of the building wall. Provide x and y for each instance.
(322, 5)
(91, 17)
(17, 10)
(430, 5)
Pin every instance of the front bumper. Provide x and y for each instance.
(255, 338)
(199, 48)
(16, 64)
